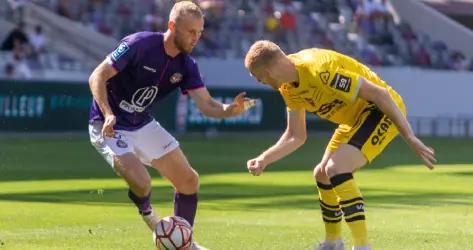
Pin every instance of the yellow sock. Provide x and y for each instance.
(351, 202)
(331, 212)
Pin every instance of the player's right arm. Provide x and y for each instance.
(98, 86)
(293, 137)
(383, 100)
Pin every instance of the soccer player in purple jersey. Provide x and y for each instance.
(143, 69)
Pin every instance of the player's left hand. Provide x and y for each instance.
(256, 166)
(427, 154)
(240, 104)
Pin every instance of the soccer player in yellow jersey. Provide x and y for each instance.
(340, 89)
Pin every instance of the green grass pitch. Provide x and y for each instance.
(58, 193)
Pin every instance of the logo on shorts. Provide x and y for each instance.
(324, 76)
(175, 78)
(380, 133)
(141, 99)
(121, 144)
(120, 50)
(341, 82)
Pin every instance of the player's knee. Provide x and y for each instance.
(330, 169)
(319, 172)
(193, 181)
(335, 167)
(189, 184)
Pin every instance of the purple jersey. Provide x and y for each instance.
(146, 74)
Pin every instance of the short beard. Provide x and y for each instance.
(179, 47)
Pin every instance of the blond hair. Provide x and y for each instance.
(184, 8)
(261, 54)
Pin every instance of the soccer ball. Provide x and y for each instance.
(173, 233)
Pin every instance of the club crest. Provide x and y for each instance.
(175, 78)
(121, 144)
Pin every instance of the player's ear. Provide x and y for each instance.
(172, 26)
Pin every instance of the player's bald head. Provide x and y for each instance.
(262, 54)
(184, 8)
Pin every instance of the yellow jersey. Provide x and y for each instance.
(328, 86)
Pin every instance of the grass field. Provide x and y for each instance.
(58, 193)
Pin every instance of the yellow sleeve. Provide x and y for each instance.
(292, 101)
(343, 83)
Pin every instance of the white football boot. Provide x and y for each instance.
(330, 245)
(196, 246)
(362, 248)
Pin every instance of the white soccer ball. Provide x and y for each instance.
(173, 233)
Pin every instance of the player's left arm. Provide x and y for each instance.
(383, 100)
(293, 137)
(215, 109)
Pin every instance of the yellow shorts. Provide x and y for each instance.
(371, 133)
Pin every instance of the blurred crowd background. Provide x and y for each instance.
(368, 30)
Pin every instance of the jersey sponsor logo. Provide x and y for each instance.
(148, 68)
(324, 76)
(120, 50)
(175, 78)
(380, 133)
(327, 107)
(341, 82)
(141, 99)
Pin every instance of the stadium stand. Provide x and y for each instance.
(369, 30)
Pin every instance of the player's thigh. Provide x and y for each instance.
(372, 132)
(118, 151)
(153, 142)
(134, 172)
(175, 167)
(159, 149)
(346, 159)
(110, 147)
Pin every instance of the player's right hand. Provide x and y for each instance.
(255, 166)
(107, 129)
(427, 154)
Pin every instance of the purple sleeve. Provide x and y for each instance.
(193, 79)
(124, 54)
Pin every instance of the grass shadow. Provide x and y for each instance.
(247, 196)
(74, 158)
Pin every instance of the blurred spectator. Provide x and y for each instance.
(288, 23)
(38, 40)
(21, 68)
(16, 37)
(457, 61)
(439, 55)
(63, 9)
(271, 23)
(18, 9)
(9, 71)
(422, 56)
